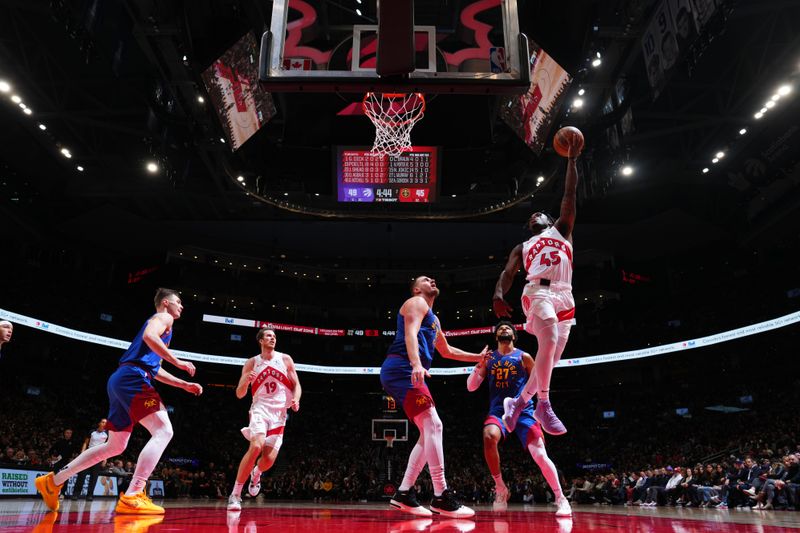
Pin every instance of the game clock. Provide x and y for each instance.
(411, 177)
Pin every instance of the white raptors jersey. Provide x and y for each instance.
(548, 255)
(272, 387)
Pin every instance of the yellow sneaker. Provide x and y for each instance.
(135, 524)
(49, 490)
(139, 503)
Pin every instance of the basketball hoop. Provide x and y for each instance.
(389, 441)
(394, 116)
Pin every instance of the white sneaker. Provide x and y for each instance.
(254, 487)
(512, 407)
(500, 499)
(564, 508)
(234, 503)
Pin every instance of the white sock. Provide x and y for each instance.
(498, 481)
(115, 445)
(160, 429)
(431, 427)
(416, 462)
(539, 454)
(237, 489)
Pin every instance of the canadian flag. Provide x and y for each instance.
(297, 64)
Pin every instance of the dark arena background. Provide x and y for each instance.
(218, 149)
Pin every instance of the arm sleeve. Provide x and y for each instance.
(474, 380)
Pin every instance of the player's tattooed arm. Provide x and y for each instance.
(513, 264)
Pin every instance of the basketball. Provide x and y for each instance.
(562, 139)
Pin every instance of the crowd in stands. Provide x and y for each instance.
(328, 454)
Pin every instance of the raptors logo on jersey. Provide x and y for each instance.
(272, 387)
(548, 255)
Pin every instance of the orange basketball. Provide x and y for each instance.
(563, 137)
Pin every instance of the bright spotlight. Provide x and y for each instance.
(66, 153)
(80, 168)
(42, 127)
(577, 103)
(16, 99)
(200, 99)
(627, 170)
(783, 90)
(705, 170)
(758, 115)
(775, 97)
(719, 155)
(581, 92)
(762, 110)
(4, 86)
(152, 167)
(27, 111)
(770, 104)
(742, 131)
(597, 62)
(240, 178)
(715, 160)
(358, 12)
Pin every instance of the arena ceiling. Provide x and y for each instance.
(110, 83)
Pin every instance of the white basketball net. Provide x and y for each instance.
(394, 116)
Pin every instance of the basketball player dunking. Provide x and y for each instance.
(546, 299)
(275, 386)
(403, 376)
(133, 399)
(508, 369)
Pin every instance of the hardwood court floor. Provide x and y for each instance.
(29, 515)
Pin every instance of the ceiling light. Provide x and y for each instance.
(16, 99)
(22, 106)
(705, 170)
(27, 111)
(783, 90)
(597, 62)
(358, 12)
(720, 155)
(715, 160)
(240, 178)
(152, 167)
(581, 92)
(66, 153)
(452, 196)
(742, 131)
(762, 110)
(185, 58)
(4, 86)
(627, 170)
(316, 194)
(200, 99)
(80, 168)
(222, 140)
(758, 115)
(540, 179)
(577, 103)
(42, 127)
(770, 104)
(286, 194)
(598, 55)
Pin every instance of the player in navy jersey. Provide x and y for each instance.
(507, 369)
(132, 400)
(403, 376)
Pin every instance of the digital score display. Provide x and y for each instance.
(411, 177)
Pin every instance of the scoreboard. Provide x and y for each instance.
(411, 177)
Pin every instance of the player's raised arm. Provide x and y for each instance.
(156, 327)
(297, 391)
(247, 377)
(500, 306)
(477, 375)
(566, 218)
(457, 354)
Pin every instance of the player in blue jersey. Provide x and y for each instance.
(133, 400)
(403, 376)
(507, 369)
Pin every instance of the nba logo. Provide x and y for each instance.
(497, 59)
